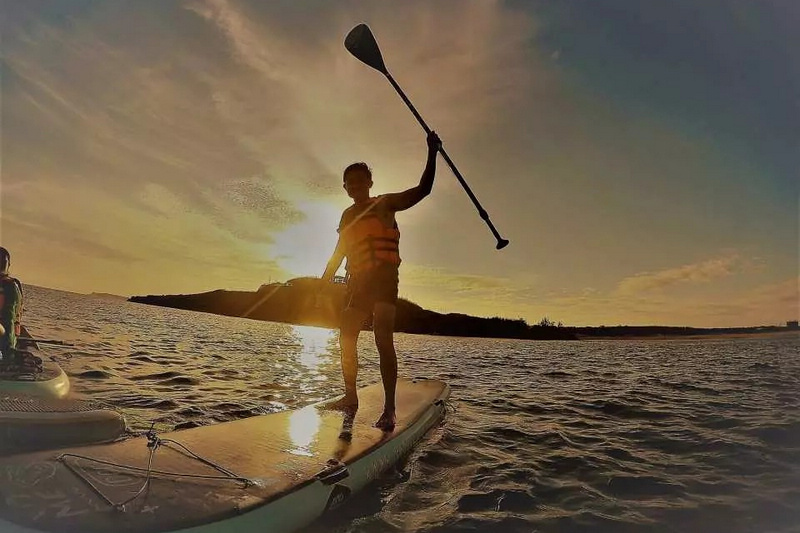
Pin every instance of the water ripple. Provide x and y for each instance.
(590, 436)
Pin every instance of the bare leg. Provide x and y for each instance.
(383, 320)
(348, 341)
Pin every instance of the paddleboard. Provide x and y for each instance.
(51, 382)
(33, 423)
(269, 473)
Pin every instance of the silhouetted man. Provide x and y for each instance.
(370, 239)
(10, 309)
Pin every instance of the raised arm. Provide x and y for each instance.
(400, 201)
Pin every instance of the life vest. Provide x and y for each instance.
(368, 243)
(7, 283)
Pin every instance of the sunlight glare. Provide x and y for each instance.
(303, 427)
(304, 248)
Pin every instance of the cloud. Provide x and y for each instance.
(449, 291)
(770, 303)
(336, 110)
(444, 279)
(762, 303)
(254, 48)
(258, 196)
(784, 295)
(40, 230)
(95, 239)
(643, 299)
(702, 272)
(109, 114)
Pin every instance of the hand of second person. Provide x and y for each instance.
(434, 142)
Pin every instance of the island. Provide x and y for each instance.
(311, 302)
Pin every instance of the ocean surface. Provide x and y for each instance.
(683, 435)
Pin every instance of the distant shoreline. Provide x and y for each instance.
(312, 302)
(677, 332)
(296, 302)
(778, 333)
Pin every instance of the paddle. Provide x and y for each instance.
(361, 43)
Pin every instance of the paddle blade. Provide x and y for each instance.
(361, 43)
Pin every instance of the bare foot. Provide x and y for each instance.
(387, 420)
(344, 403)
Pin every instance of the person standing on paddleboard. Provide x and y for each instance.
(370, 239)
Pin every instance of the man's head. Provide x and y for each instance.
(357, 181)
(5, 260)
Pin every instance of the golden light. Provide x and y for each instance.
(303, 427)
(304, 248)
(313, 344)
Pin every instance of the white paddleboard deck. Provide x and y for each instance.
(299, 464)
(30, 423)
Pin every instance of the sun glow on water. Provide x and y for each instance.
(314, 344)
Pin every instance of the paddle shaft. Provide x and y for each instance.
(501, 243)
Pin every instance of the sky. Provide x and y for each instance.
(641, 157)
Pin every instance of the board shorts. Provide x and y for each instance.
(376, 285)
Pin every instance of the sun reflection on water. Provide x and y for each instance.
(314, 343)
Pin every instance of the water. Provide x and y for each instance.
(589, 436)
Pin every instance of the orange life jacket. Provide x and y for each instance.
(368, 243)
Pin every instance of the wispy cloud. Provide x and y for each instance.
(701, 272)
(447, 291)
(445, 279)
(158, 244)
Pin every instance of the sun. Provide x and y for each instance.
(303, 249)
